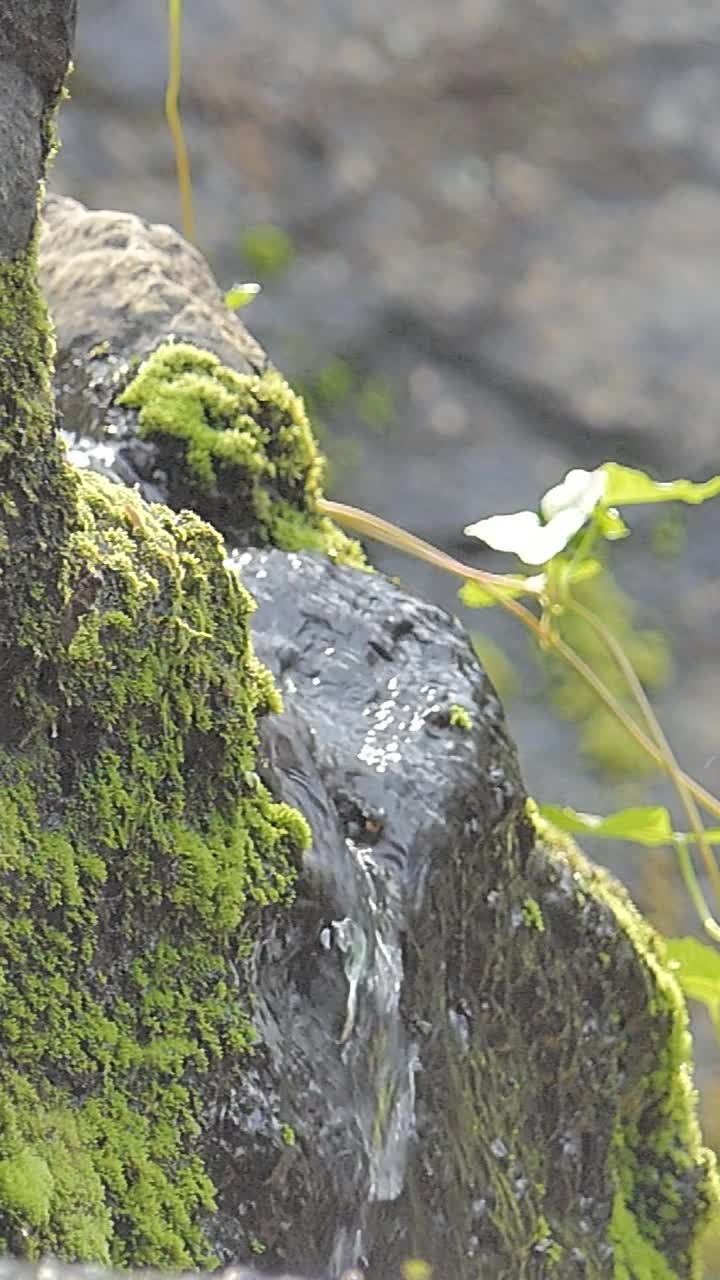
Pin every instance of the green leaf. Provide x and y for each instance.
(240, 295)
(610, 524)
(628, 487)
(698, 968)
(649, 825)
(584, 570)
(475, 596)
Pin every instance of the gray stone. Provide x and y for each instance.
(35, 42)
(136, 283)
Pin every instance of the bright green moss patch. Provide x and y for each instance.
(636, 1258)
(246, 444)
(460, 718)
(138, 850)
(532, 915)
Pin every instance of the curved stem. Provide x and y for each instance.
(695, 893)
(172, 115)
(372, 526)
(672, 767)
(392, 535)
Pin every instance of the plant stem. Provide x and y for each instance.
(672, 767)
(697, 897)
(172, 115)
(496, 585)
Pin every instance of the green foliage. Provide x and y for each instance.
(334, 383)
(476, 596)
(240, 295)
(629, 487)
(669, 536)
(698, 972)
(339, 385)
(602, 737)
(416, 1269)
(648, 825)
(266, 249)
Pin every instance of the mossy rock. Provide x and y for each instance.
(139, 851)
(239, 448)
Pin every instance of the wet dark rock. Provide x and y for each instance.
(464, 1027)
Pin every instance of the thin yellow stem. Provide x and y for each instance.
(696, 895)
(172, 115)
(672, 767)
(371, 526)
(393, 536)
(705, 798)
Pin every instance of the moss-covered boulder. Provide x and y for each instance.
(138, 850)
(129, 803)
(315, 984)
(153, 366)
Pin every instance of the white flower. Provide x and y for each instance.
(579, 491)
(566, 507)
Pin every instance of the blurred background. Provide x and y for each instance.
(488, 234)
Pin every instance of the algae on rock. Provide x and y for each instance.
(208, 419)
(133, 825)
(129, 803)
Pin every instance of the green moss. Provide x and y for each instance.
(657, 1149)
(532, 915)
(416, 1269)
(636, 1258)
(139, 850)
(544, 1240)
(36, 487)
(287, 1134)
(246, 437)
(460, 718)
(26, 1185)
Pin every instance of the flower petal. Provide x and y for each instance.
(524, 535)
(579, 491)
(506, 533)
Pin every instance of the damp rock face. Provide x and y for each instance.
(467, 1047)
